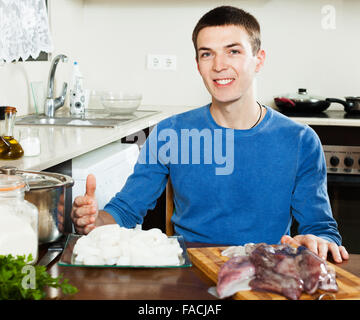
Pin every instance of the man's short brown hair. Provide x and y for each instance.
(228, 15)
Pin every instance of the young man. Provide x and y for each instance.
(273, 170)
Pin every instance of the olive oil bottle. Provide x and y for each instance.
(10, 148)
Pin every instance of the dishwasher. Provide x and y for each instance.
(111, 164)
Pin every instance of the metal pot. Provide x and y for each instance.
(47, 193)
(351, 104)
(301, 102)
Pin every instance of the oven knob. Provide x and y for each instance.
(348, 161)
(334, 161)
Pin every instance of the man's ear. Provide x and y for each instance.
(260, 57)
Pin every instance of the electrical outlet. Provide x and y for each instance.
(161, 62)
(154, 62)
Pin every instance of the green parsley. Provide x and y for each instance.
(20, 280)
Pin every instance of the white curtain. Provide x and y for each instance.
(24, 29)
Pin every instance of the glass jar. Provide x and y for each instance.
(18, 219)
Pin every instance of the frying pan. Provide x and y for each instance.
(302, 102)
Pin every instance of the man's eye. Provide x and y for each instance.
(234, 51)
(205, 55)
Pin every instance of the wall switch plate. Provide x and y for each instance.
(161, 62)
(169, 62)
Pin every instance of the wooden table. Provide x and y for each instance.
(146, 284)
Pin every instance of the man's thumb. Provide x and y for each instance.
(90, 186)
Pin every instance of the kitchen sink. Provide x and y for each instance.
(91, 118)
(60, 121)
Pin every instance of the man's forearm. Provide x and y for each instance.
(104, 218)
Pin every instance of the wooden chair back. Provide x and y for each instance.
(169, 227)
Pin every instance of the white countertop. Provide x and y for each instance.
(328, 122)
(59, 144)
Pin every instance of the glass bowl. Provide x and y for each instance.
(120, 102)
(95, 99)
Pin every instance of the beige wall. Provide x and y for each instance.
(111, 38)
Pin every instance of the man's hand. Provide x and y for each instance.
(85, 209)
(318, 245)
(61, 213)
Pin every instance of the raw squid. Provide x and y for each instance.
(234, 276)
(114, 245)
(281, 269)
(276, 271)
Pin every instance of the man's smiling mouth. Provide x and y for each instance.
(223, 82)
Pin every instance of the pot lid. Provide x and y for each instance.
(39, 179)
(302, 96)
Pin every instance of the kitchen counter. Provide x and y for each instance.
(59, 144)
(146, 284)
(328, 122)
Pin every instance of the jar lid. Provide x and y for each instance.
(9, 182)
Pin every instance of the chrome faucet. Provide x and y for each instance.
(52, 103)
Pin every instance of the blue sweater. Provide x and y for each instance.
(231, 186)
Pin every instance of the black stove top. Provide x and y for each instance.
(331, 114)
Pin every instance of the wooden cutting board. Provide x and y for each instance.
(209, 260)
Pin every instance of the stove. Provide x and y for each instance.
(341, 144)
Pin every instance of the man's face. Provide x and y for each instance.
(226, 62)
